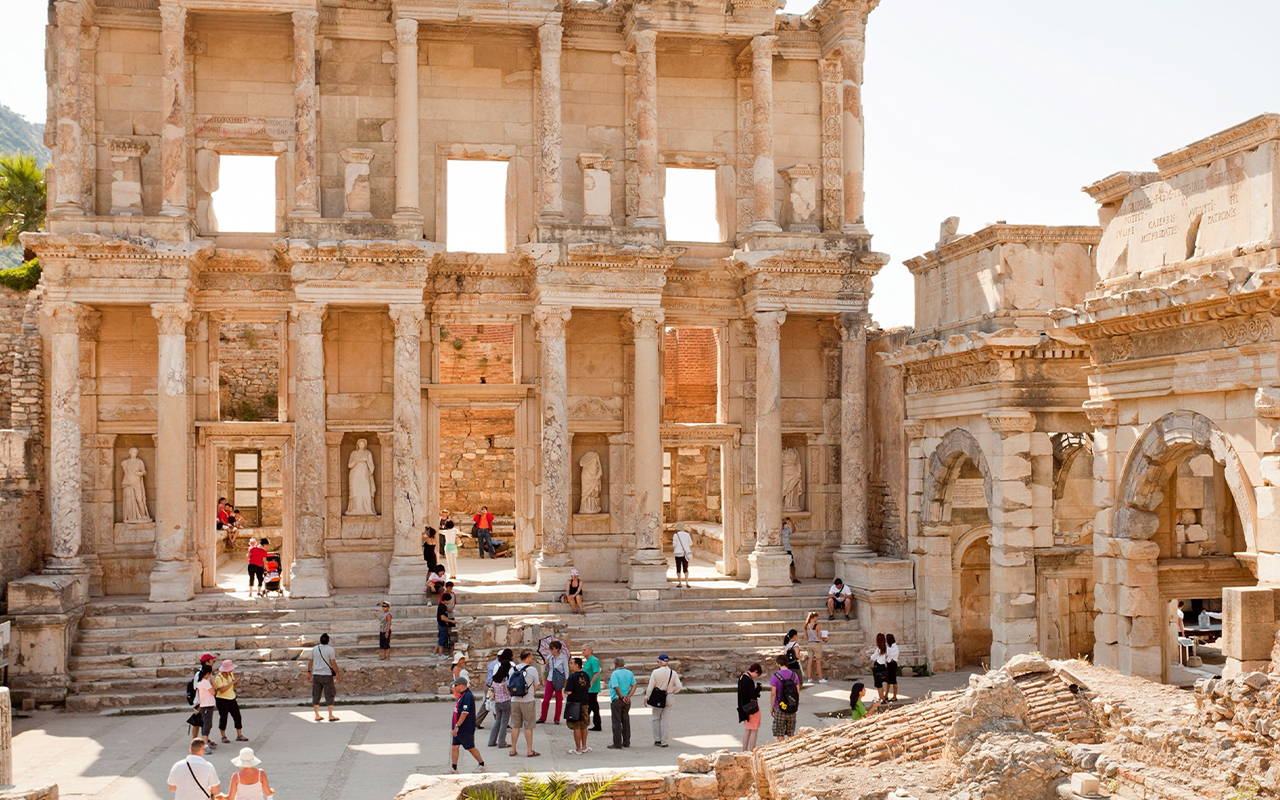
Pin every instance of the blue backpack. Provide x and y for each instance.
(517, 686)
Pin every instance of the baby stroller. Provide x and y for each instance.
(272, 565)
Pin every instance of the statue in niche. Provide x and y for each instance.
(360, 485)
(135, 488)
(591, 477)
(792, 480)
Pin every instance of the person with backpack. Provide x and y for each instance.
(791, 649)
(322, 671)
(498, 672)
(193, 721)
(664, 683)
(207, 703)
(784, 692)
(524, 711)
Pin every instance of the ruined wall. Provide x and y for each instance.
(22, 510)
(356, 83)
(248, 370)
(477, 461)
(476, 353)
(695, 485)
(887, 481)
(691, 379)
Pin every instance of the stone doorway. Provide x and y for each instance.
(973, 590)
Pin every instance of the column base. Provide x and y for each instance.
(171, 582)
(847, 560)
(648, 571)
(770, 568)
(552, 571)
(309, 577)
(408, 575)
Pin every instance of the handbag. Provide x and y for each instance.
(751, 707)
(194, 720)
(557, 679)
(573, 712)
(658, 697)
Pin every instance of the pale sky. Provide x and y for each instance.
(985, 109)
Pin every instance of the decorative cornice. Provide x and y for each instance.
(1117, 186)
(1007, 423)
(993, 235)
(1245, 136)
(1102, 413)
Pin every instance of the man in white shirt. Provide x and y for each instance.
(666, 679)
(682, 548)
(193, 778)
(839, 597)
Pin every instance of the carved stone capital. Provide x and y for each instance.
(1007, 423)
(913, 429)
(309, 317)
(408, 319)
(126, 146)
(64, 316)
(172, 318)
(90, 322)
(69, 12)
(1103, 413)
(550, 321)
(407, 31)
(646, 323)
(1266, 401)
(830, 71)
(173, 17)
(853, 327)
(764, 46)
(306, 21)
(645, 41)
(769, 325)
(549, 36)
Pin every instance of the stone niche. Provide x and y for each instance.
(597, 522)
(126, 568)
(359, 547)
(362, 526)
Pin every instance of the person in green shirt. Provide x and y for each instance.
(855, 702)
(591, 666)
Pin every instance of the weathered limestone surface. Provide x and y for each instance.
(553, 563)
(174, 153)
(306, 178)
(171, 578)
(770, 564)
(648, 566)
(406, 574)
(310, 573)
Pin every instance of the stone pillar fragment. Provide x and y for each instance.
(310, 572)
(647, 214)
(306, 197)
(1014, 621)
(770, 565)
(550, 178)
(6, 739)
(126, 175)
(853, 442)
(1104, 417)
(355, 194)
(801, 211)
(832, 145)
(762, 50)
(554, 560)
(407, 120)
(406, 429)
(851, 55)
(171, 577)
(648, 565)
(64, 435)
(174, 155)
(67, 155)
(597, 189)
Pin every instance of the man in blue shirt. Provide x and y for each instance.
(622, 684)
(464, 724)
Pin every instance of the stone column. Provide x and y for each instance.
(65, 495)
(355, 194)
(1014, 620)
(126, 175)
(309, 572)
(173, 103)
(550, 180)
(171, 577)
(68, 155)
(851, 53)
(6, 740)
(831, 77)
(554, 560)
(407, 121)
(1104, 417)
(306, 197)
(647, 215)
(770, 565)
(648, 565)
(762, 49)
(406, 448)
(853, 443)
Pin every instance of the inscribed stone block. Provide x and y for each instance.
(1190, 492)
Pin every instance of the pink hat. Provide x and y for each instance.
(227, 666)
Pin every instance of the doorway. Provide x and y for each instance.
(973, 569)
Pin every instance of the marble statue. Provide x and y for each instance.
(135, 488)
(792, 480)
(360, 485)
(592, 474)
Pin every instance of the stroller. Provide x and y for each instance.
(272, 565)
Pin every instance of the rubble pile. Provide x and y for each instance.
(1240, 720)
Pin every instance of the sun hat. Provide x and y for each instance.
(247, 758)
(573, 572)
(227, 666)
(458, 657)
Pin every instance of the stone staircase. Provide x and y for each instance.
(130, 652)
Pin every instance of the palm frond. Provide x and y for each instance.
(22, 197)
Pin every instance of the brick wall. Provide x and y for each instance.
(248, 370)
(471, 352)
(477, 461)
(692, 374)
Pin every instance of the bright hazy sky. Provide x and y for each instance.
(985, 109)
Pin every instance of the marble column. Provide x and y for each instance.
(554, 560)
(851, 54)
(550, 171)
(406, 448)
(762, 50)
(68, 155)
(310, 571)
(407, 121)
(647, 215)
(6, 739)
(306, 197)
(173, 106)
(126, 174)
(648, 565)
(65, 511)
(853, 443)
(770, 565)
(171, 576)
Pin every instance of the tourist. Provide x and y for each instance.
(207, 702)
(444, 518)
(784, 694)
(814, 637)
(257, 566)
(592, 667)
(193, 697)
(453, 595)
(193, 778)
(682, 549)
(577, 711)
(839, 598)
(249, 782)
(485, 707)
(1182, 619)
(891, 667)
(436, 580)
(787, 529)
(791, 649)
(384, 632)
(224, 696)
(322, 671)
(221, 522)
(857, 709)
(664, 684)
(521, 685)
(749, 706)
(464, 725)
(497, 680)
(573, 593)
(482, 529)
(557, 674)
(460, 668)
(622, 684)
(233, 524)
(444, 626)
(429, 544)
(880, 666)
(450, 536)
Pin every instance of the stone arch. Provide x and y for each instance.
(1151, 463)
(964, 540)
(956, 444)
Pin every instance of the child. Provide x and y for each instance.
(435, 580)
(444, 626)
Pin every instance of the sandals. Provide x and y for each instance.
(225, 740)
(534, 754)
(242, 738)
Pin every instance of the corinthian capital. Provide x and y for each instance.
(853, 327)
(407, 318)
(764, 46)
(646, 323)
(305, 21)
(173, 17)
(769, 325)
(549, 36)
(550, 321)
(64, 316)
(407, 31)
(1102, 413)
(646, 41)
(172, 318)
(309, 317)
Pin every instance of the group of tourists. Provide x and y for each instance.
(193, 777)
(443, 541)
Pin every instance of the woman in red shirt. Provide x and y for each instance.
(257, 566)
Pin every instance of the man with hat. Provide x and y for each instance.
(464, 724)
(664, 683)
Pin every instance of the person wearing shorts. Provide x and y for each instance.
(322, 671)
(384, 632)
(682, 548)
(784, 722)
(524, 710)
(257, 565)
(464, 725)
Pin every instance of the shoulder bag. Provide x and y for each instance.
(658, 697)
(197, 780)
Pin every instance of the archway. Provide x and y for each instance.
(971, 568)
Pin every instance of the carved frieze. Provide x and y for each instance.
(934, 378)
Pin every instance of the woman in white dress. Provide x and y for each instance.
(249, 782)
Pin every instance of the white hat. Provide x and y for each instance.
(247, 758)
(458, 657)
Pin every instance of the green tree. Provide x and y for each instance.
(22, 199)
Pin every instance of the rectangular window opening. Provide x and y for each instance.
(476, 206)
(691, 379)
(689, 206)
(245, 200)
